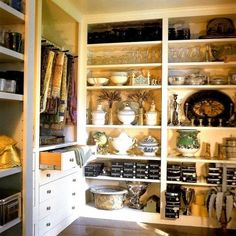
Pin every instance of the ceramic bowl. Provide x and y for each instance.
(119, 78)
(98, 81)
(176, 80)
(109, 197)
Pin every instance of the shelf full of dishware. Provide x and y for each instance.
(213, 108)
(125, 77)
(124, 108)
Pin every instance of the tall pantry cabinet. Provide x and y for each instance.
(178, 56)
(56, 192)
(15, 120)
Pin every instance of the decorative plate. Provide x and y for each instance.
(220, 26)
(209, 104)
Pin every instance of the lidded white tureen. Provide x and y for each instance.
(149, 145)
(127, 115)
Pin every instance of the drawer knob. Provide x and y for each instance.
(73, 194)
(48, 208)
(48, 224)
(48, 175)
(74, 180)
(73, 207)
(49, 191)
(71, 160)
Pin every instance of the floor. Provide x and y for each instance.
(99, 227)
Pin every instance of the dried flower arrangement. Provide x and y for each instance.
(140, 97)
(110, 97)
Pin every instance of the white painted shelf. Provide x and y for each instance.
(9, 171)
(89, 210)
(126, 66)
(194, 65)
(200, 128)
(125, 126)
(56, 146)
(202, 87)
(9, 15)
(193, 184)
(130, 214)
(199, 160)
(8, 55)
(127, 157)
(100, 177)
(9, 225)
(124, 87)
(194, 42)
(124, 44)
(11, 96)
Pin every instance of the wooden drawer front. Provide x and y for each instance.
(46, 176)
(58, 160)
(60, 187)
(52, 220)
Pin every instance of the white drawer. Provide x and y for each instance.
(46, 176)
(52, 220)
(67, 185)
(47, 207)
(47, 191)
(67, 199)
(58, 159)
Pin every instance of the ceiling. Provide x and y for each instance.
(114, 6)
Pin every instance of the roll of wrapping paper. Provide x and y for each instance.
(63, 94)
(57, 75)
(53, 97)
(46, 80)
(72, 101)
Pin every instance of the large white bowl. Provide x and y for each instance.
(119, 78)
(98, 81)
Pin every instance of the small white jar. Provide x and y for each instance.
(98, 116)
(151, 115)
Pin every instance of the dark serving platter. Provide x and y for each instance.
(207, 104)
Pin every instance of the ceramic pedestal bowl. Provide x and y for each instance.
(98, 81)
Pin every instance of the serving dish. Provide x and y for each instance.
(149, 145)
(119, 78)
(176, 80)
(109, 197)
(98, 81)
(218, 80)
(209, 104)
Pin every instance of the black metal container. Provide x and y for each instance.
(9, 206)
